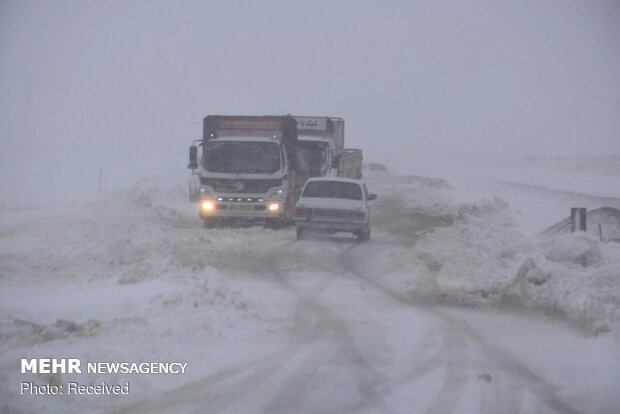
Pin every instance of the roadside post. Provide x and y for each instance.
(577, 219)
(100, 180)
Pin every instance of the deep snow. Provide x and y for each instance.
(419, 312)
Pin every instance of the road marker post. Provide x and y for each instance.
(578, 217)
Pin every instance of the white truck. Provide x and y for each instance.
(321, 149)
(247, 169)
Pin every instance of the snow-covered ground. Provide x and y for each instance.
(452, 307)
(539, 190)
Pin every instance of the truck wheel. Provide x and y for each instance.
(275, 224)
(300, 233)
(209, 222)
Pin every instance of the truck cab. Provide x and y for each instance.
(246, 171)
(315, 155)
(321, 145)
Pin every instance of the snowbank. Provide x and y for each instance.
(575, 275)
(475, 254)
(487, 262)
(128, 277)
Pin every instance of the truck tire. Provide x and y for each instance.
(300, 233)
(209, 222)
(275, 224)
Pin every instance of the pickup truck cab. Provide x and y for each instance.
(333, 204)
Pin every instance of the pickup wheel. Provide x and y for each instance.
(300, 233)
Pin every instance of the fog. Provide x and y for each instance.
(123, 86)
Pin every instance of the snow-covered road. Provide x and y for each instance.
(355, 344)
(448, 309)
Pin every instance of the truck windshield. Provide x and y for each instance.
(333, 189)
(312, 157)
(242, 157)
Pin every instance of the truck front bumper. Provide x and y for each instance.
(241, 209)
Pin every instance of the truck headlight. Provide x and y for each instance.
(274, 206)
(207, 205)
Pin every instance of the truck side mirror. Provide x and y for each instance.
(372, 197)
(193, 157)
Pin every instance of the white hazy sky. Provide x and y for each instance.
(410, 78)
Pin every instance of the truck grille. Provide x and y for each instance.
(241, 186)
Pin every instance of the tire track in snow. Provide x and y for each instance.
(453, 350)
(238, 382)
(320, 341)
(453, 354)
(320, 324)
(543, 390)
(199, 395)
